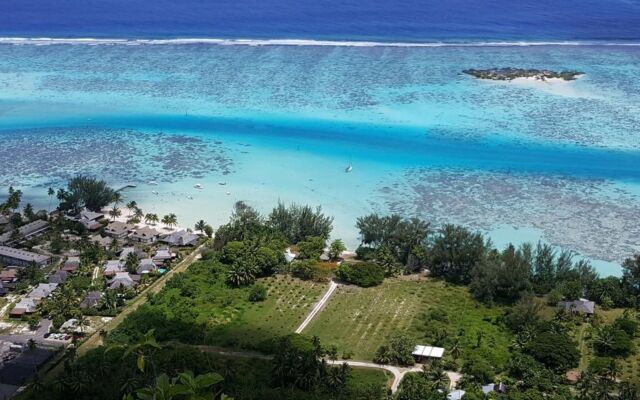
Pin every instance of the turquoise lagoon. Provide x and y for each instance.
(521, 161)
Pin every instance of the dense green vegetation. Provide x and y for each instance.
(199, 307)
(362, 274)
(85, 192)
(117, 370)
(493, 310)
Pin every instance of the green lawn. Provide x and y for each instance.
(360, 320)
(364, 377)
(198, 307)
(289, 300)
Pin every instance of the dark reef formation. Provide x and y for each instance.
(508, 74)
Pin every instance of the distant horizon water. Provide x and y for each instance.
(357, 20)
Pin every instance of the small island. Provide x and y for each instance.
(509, 74)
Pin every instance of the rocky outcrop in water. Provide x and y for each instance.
(508, 74)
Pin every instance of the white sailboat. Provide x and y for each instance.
(349, 168)
(198, 186)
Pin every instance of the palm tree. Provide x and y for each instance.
(241, 274)
(83, 322)
(117, 198)
(36, 384)
(436, 375)
(50, 193)
(200, 225)
(196, 387)
(115, 212)
(456, 348)
(605, 339)
(170, 220)
(137, 213)
(173, 220)
(337, 377)
(131, 206)
(151, 218)
(109, 300)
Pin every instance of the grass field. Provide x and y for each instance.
(288, 302)
(360, 320)
(629, 366)
(368, 376)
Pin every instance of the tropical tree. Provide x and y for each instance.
(132, 206)
(300, 222)
(137, 213)
(336, 248)
(455, 252)
(131, 263)
(50, 193)
(456, 348)
(170, 220)
(86, 192)
(185, 386)
(208, 230)
(28, 212)
(200, 225)
(151, 218)
(114, 212)
(436, 375)
(398, 351)
(241, 274)
(117, 198)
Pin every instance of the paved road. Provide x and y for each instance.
(316, 309)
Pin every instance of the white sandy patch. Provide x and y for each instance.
(124, 217)
(556, 86)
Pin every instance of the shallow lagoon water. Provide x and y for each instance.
(282, 122)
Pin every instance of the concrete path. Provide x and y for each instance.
(332, 288)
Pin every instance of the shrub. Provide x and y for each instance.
(627, 325)
(302, 269)
(257, 293)
(478, 370)
(555, 350)
(362, 274)
(612, 341)
(311, 248)
(602, 365)
(398, 351)
(366, 253)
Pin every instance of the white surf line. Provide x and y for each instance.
(332, 288)
(43, 41)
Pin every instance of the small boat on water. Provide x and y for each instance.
(190, 197)
(153, 183)
(222, 183)
(155, 192)
(349, 168)
(198, 186)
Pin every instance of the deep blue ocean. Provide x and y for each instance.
(279, 116)
(408, 20)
